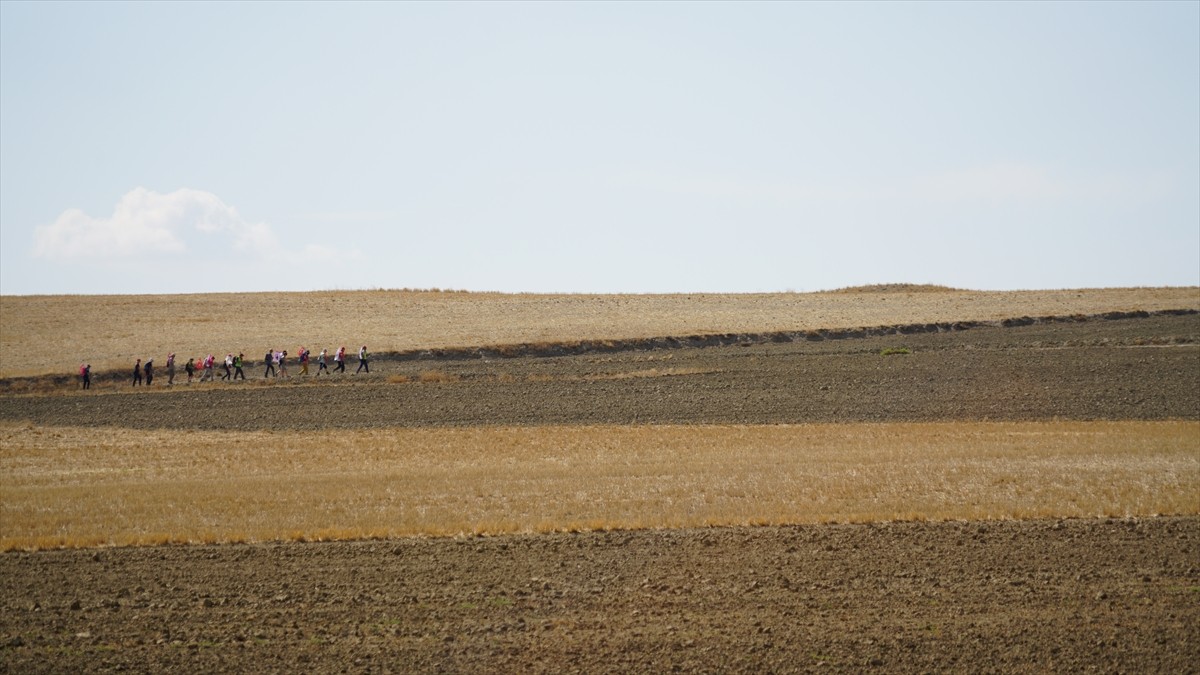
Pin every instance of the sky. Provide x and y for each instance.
(599, 147)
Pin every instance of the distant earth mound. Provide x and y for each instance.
(897, 288)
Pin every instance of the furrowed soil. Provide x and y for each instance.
(1045, 596)
(1108, 595)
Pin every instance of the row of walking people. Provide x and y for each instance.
(276, 363)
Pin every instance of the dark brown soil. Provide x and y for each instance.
(1046, 596)
(1075, 595)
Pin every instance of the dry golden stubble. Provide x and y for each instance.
(90, 487)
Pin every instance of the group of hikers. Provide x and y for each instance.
(275, 362)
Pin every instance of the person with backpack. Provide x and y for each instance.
(281, 357)
(149, 368)
(170, 369)
(362, 361)
(85, 374)
(210, 362)
(137, 373)
(237, 367)
(269, 359)
(228, 367)
(340, 359)
(321, 367)
(190, 369)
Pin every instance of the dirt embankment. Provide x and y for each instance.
(1043, 596)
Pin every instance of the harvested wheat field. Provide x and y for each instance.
(715, 484)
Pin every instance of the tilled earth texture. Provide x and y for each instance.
(1057, 595)
(1116, 596)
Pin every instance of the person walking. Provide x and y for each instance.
(321, 367)
(149, 368)
(283, 364)
(340, 359)
(237, 367)
(209, 363)
(190, 369)
(85, 374)
(362, 361)
(304, 362)
(228, 367)
(170, 369)
(137, 373)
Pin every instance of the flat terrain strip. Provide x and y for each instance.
(88, 487)
(1106, 595)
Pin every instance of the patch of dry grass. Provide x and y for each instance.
(54, 334)
(90, 487)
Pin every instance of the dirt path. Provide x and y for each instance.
(1110, 596)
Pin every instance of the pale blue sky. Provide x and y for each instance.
(597, 147)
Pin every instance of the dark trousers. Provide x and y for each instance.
(362, 365)
(87, 382)
(238, 373)
(270, 370)
(137, 377)
(341, 367)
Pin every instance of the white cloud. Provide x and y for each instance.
(147, 222)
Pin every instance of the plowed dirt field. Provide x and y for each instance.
(1104, 595)
(1050, 596)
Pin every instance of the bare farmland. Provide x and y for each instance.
(1012, 498)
